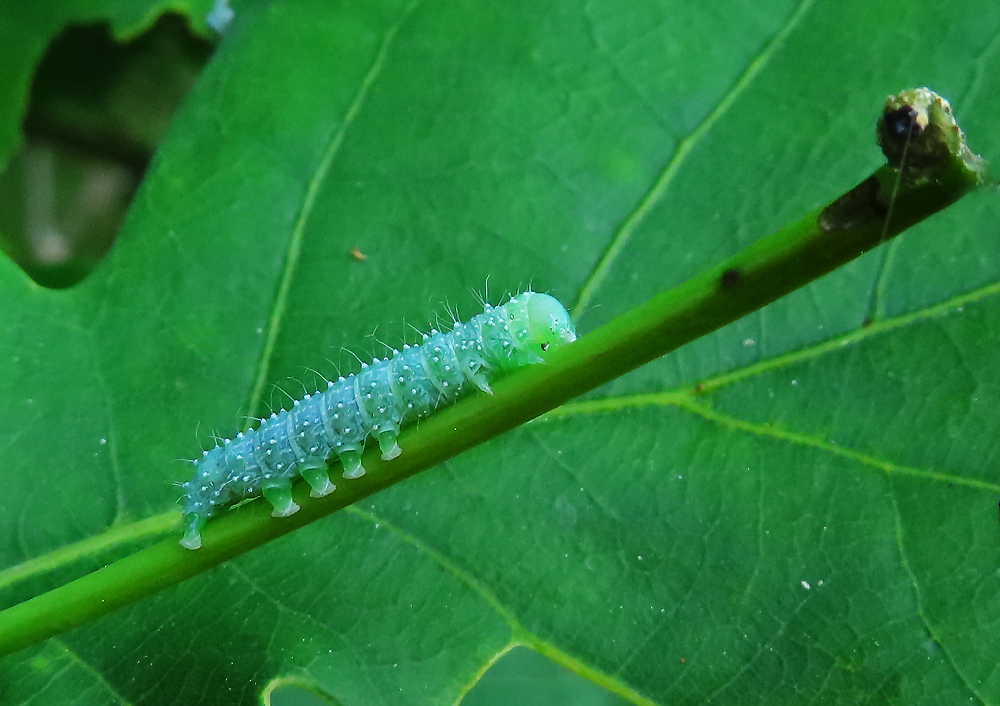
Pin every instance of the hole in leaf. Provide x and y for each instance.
(97, 110)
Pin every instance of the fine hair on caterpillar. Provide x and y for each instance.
(372, 404)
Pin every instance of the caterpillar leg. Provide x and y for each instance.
(351, 460)
(387, 444)
(478, 378)
(280, 496)
(319, 480)
(193, 525)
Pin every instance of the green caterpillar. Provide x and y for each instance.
(374, 403)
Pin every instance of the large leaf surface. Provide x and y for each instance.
(799, 508)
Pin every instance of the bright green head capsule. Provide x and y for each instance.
(549, 325)
(532, 324)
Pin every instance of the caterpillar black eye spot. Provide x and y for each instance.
(545, 347)
(902, 123)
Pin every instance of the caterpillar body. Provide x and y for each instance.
(373, 403)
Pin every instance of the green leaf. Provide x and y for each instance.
(800, 507)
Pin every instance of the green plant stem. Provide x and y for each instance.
(878, 209)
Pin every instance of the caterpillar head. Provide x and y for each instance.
(538, 323)
(549, 325)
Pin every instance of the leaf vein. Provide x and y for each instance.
(86, 666)
(918, 598)
(333, 145)
(685, 146)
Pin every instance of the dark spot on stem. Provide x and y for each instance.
(730, 278)
(901, 123)
(854, 209)
(910, 140)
